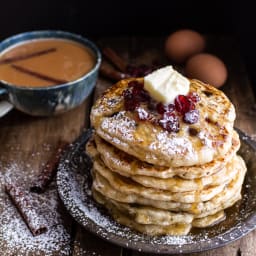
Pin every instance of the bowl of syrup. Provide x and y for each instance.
(45, 73)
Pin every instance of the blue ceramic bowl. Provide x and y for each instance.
(46, 101)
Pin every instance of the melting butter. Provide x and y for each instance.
(165, 84)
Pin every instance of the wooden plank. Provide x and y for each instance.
(26, 144)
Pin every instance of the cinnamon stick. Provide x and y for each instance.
(115, 59)
(111, 73)
(24, 204)
(26, 56)
(49, 171)
(38, 75)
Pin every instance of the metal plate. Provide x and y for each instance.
(74, 183)
(5, 107)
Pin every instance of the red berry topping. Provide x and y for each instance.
(127, 94)
(135, 84)
(131, 105)
(140, 94)
(129, 102)
(136, 91)
(160, 108)
(183, 104)
(134, 95)
(191, 117)
(193, 96)
(173, 126)
(183, 107)
(170, 107)
(170, 122)
(168, 115)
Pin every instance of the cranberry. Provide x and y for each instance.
(140, 94)
(135, 96)
(173, 126)
(127, 94)
(168, 115)
(194, 97)
(131, 105)
(170, 122)
(191, 117)
(135, 84)
(136, 92)
(183, 104)
(171, 107)
(160, 108)
(129, 102)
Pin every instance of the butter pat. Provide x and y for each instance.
(165, 84)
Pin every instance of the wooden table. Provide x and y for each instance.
(27, 142)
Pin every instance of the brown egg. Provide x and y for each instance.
(182, 44)
(207, 68)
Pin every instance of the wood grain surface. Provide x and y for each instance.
(27, 143)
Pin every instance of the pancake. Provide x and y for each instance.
(150, 215)
(180, 185)
(174, 229)
(91, 149)
(176, 184)
(209, 220)
(163, 169)
(157, 224)
(150, 143)
(127, 165)
(178, 229)
(127, 185)
(226, 198)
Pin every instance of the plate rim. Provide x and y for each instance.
(5, 107)
(246, 226)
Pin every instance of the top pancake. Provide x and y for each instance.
(150, 143)
(127, 165)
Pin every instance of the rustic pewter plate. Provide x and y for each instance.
(74, 183)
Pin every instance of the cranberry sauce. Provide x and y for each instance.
(167, 116)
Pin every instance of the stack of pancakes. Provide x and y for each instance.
(160, 182)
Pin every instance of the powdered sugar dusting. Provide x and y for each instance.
(15, 237)
(120, 124)
(172, 145)
(205, 139)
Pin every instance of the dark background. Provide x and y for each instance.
(96, 18)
